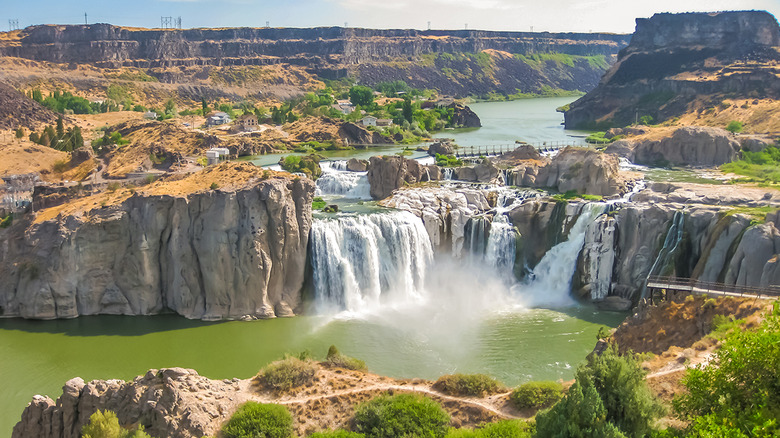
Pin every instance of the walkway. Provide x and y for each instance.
(690, 286)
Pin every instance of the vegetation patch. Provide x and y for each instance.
(500, 429)
(105, 424)
(758, 166)
(536, 395)
(307, 164)
(318, 203)
(402, 415)
(337, 360)
(573, 195)
(257, 420)
(475, 385)
(290, 372)
(448, 161)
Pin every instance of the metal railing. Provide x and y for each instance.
(678, 284)
(498, 149)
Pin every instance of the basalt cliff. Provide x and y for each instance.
(183, 246)
(681, 63)
(212, 62)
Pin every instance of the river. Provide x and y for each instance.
(464, 322)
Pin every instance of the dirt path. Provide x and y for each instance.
(387, 387)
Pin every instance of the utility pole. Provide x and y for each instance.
(429, 25)
(267, 24)
(85, 18)
(346, 25)
(13, 24)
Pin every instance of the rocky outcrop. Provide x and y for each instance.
(173, 402)
(690, 145)
(485, 172)
(675, 59)
(229, 253)
(441, 147)
(356, 165)
(356, 134)
(464, 117)
(19, 111)
(390, 172)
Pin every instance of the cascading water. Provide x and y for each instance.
(337, 181)
(671, 242)
(361, 261)
(550, 281)
(501, 246)
(476, 232)
(448, 171)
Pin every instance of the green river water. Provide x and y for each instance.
(509, 342)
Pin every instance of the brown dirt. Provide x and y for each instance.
(680, 323)
(227, 176)
(330, 401)
(314, 129)
(757, 115)
(17, 110)
(24, 156)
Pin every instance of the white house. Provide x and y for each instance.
(150, 115)
(213, 155)
(218, 118)
(344, 106)
(369, 121)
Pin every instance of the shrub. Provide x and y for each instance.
(287, 373)
(536, 395)
(336, 434)
(105, 424)
(401, 415)
(501, 429)
(113, 186)
(214, 186)
(734, 126)
(257, 420)
(318, 203)
(478, 385)
(338, 360)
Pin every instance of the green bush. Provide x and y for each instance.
(105, 424)
(318, 203)
(287, 373)
(477, 385)
(257, 420)
(447, 161)
(336, 434)
(536, 395)
(338, 360)
(402, 415)
(501, 429)
(734, 126)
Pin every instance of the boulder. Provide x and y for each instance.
(441, 147)
(464, 117)
(583, 170)
(81, 155)
(755, 143)
(390, 172)
(615, 304)
(356, 165)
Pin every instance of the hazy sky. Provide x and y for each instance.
(549, 15)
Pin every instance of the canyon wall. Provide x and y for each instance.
(675, 59)
(210, 255)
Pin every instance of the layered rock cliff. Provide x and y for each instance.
(204, 61)
(678, 61)
(181, 246)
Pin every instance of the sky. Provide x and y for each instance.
(517, 15)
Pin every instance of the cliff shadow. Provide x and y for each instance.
(104, 325)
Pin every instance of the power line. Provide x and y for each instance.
(13, 24)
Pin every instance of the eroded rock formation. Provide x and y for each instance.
(235, 252)
(690, 145)
(390, 172)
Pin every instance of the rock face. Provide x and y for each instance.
(690, 145)
(19, 111)
(441, 147)
(172, 402)
(210, 255)
(388, 173)
(675, 58)
(464, 117)
(356, 165)
(485, 172)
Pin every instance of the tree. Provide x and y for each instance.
(740, 388)
(20, 133)
(407, 110)
(610, 392)
(60, 127)
(360, 95)
(204, 105)
(734, 127)
(257, 420)
(170, 107)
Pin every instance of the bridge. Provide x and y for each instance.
(499, 149)
(662, 286)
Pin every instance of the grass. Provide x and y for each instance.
(763, 166)
(318, 203)
(598, 138)
(475, 385)
(723, 325)
(288, 373)
(572, 195)
(756, 214)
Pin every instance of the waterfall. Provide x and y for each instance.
(476, 234)
(447, 173)
(353, 185)
(550, 281)
(360, 262)
(671, 242)
(501, 245)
